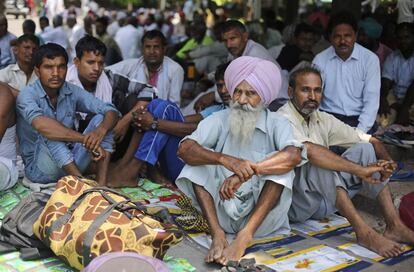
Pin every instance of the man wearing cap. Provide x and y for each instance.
(247, 149)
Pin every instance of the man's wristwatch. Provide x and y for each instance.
(154, 124)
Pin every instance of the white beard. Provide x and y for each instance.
(242, 121)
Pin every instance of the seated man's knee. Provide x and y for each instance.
(96, 120)
(362, 148)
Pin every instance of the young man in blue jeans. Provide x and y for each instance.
(49, 145)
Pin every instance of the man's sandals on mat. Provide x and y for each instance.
(191, 219)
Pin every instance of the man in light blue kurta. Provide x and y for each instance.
(351, 75)
(242, 184)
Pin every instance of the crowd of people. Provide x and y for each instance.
(258, 131)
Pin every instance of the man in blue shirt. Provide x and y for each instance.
(351, 75)
(161, 126)
(45, 120)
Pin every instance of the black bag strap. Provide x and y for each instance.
(90, 233)
(32, 253)
(59, 222)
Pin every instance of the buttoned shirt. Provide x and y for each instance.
(399, 70)
(33, 102)
(323, 128)
(128, 39)
(15, 77)
(351, 87)
(272, 133)
(170, 76)
(6, 52)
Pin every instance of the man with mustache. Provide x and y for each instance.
(236, 39)
(20, 74)
(159, 128)
(327, 182)
(351, 75)
(154, 68)
(248, 148)
(49, 145)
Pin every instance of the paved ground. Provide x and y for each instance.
(369, 210)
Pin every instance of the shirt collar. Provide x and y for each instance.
(15, 67)
(159, 70)
(249, 44)
(64, 90)
(354, 55)
(261, 122)
(313, 117)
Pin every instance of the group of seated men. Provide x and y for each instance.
(249, 171)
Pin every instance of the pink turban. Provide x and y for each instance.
(264, 76)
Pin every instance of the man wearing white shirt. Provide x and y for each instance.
(154, 68)
(128, 38)
(20, 74)
(405, 11)
(57, 34)
(351, 75)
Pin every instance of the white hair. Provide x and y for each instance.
(242, 121)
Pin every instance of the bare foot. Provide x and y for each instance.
(218, 244)
(235, 251)
(122, 183)
(157, 177)
(121, 175)
(400, 233)
(378, 243)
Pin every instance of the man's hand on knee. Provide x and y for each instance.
(92, 141)
(143, 119)
(384, 168)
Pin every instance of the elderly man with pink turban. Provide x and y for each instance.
(239, 162)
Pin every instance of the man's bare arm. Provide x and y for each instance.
(176, 128)
(322, 157)
(194, 154)
(380, 151)
(280, 163)
(53, 130)
(7, 109)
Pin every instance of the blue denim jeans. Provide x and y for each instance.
(50, 156)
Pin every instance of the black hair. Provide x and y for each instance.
(219, 74)
(233, 24)
(152, 34)
(28, 37)
(303, 28)
(104, 20)
(342, 17)
(50, 51)
(405, 25)
(29, 25)
(89, 44)
(44, 18)
(308, 69)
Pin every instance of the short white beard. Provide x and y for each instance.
(242, 121)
